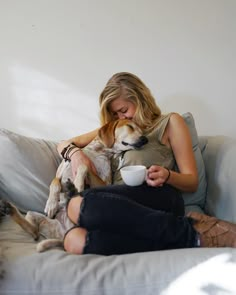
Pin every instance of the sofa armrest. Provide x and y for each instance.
(219, 155)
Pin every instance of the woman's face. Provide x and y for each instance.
(121, 108)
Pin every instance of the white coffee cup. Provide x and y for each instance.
(133, 175)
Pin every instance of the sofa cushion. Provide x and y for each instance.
(56, 272)
(27, 166)
(198, 197)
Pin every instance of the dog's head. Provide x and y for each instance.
(122, 135)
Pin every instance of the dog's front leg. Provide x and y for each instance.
(80, 177)
(52, 204)
(94, 180)
(85, 175)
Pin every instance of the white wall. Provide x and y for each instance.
(56, 56)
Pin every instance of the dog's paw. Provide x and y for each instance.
(5, 208)
(48, 244)
(51, 207)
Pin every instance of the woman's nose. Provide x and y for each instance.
(122, 116)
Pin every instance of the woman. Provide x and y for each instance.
(120, 219)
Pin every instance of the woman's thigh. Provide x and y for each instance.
(165, 198)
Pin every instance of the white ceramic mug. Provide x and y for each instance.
(133, 175)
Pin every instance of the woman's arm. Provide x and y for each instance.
(178, 138)
(81, 140)
(76, 155)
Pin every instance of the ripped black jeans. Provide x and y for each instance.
(122, 219)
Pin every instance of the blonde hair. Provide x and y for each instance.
(130, 87)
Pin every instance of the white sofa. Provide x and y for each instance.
(27, 166)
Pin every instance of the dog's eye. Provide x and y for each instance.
(124, 143)
(130, 126)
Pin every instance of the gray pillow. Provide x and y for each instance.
(27, 166)
(198, 197)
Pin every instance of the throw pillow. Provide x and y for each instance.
(27, 166)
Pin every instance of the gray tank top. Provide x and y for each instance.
(154, 152)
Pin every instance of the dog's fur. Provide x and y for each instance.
(113, 138)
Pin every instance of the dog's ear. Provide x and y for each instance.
(107, 133)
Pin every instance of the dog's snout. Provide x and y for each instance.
(142, 141)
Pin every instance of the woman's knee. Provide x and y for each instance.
(73, 209)
(75, 240)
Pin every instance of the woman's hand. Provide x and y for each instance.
(79, 158)
(157, 175)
